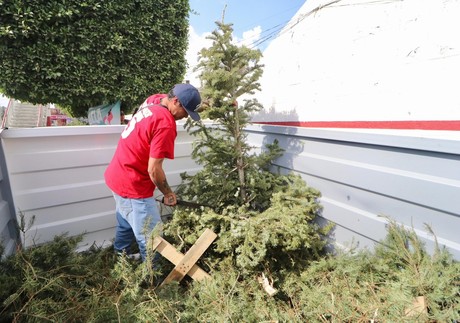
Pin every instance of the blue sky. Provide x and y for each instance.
(245, 15)
(255, 23)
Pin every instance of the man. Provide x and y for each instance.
(136, 168)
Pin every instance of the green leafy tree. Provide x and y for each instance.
(265, 220)
(84, 53)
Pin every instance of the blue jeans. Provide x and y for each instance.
(136, 219)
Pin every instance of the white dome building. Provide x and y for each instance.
(365, 64)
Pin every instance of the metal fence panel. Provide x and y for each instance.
(412, 177)
(56, 176)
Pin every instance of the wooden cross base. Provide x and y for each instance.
(185, 264)
(419, 306)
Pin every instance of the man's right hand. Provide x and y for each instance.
(170, 199)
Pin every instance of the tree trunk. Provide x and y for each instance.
(239, 159)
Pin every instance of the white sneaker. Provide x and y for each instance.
(134, 256)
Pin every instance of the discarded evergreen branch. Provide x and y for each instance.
(39, 285)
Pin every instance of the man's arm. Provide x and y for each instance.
(158, 177)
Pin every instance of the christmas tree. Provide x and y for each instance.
(265, 221)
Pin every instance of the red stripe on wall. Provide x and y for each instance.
(420, 125)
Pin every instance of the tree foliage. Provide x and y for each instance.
(232, 174)
(382, 285)
(53, 283)
(81, 54)
(265, 221)
(282, 238)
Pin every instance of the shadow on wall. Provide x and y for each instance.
(287, 139)
(293, 145)
(9, 235)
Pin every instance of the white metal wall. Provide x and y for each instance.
(56, 175)
(412, 177)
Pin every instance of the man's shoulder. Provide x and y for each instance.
(155, 98)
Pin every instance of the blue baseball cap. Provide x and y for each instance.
(189, 97)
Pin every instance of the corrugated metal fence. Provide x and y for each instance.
(56, 175)
(410, 176)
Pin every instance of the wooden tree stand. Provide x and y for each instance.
(419, 306)
(185, 264)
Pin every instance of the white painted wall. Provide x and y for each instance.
(365, 60)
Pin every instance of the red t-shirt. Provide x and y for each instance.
(150, 133)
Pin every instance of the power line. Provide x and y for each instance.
(294, 23)
(272, 32)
